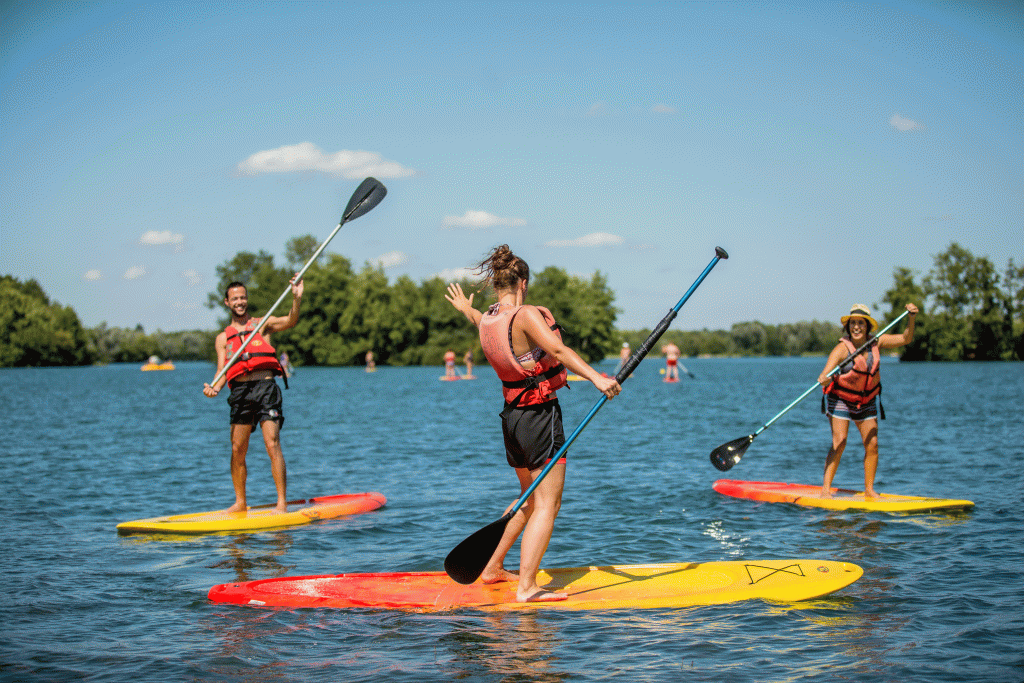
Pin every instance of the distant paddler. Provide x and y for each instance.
(255, 396)
(624, 353)
(371, 365)
(449, 364)
(468, 360)
(853, 394)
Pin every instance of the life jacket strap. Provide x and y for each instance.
(527, 384)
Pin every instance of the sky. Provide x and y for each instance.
(822, 144)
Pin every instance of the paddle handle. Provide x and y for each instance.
(621, 377)
(831, 372)
(654, 336)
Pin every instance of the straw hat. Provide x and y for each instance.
(860, 311)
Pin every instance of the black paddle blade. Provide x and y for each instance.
(467, 560)
(728, 454)
(367, 195)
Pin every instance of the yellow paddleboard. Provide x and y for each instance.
(257, 518)
(638, 586)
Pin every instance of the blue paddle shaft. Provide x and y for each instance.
(833, 371)
(623, 375)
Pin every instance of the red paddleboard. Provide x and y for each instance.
(841, 499)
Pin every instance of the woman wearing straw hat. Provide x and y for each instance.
(853, 393)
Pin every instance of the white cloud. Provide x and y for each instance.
(902, 124)
(161, 237)
(391, 259)
(594, 239)
(479, 220)
(134, 273)
(192, 276)
(92, 275)
(457, 274)
(663, 109)
(306, 156)
(598, 109)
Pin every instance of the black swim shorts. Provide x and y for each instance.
(533, 434)
(253, 403)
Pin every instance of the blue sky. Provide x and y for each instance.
(821, 144)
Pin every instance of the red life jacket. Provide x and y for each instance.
(519, 385)
(858, 385)
(258, 354)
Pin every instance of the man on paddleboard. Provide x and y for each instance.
(255, 396)
(672, 353)
(524, 346)
(852, 394)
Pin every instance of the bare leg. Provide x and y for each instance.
(272, 439)
(239, 447)
(840, 428)
(869, 433)
(547, 500)
(495, 571)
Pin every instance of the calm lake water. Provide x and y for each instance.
(942, 597)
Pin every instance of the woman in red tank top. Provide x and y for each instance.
(523, 345)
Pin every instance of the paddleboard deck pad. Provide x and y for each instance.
(648, 586)
(842, 499)
(257, 518)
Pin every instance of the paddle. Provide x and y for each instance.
(467, 560)
(367, 195)
(728, 454)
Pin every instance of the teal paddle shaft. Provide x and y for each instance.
(467, 560)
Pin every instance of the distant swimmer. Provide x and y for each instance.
(449, 364)
(468, 360)
(255, 397)
(286, 364)
(370, 364)
(853, 393)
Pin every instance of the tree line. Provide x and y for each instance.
(969, 311)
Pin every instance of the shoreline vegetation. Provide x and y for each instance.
(969, 311)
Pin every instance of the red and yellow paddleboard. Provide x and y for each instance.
(842, 499)
(257, 518)
(644, 586)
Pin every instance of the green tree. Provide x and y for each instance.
(36, 332)
(903, 291)
(299, 250)
(583, 308)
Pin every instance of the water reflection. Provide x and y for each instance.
(512, 646)
(257, 554)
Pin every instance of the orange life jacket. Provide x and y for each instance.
(520, 386)
(258, 354)
(858, 385)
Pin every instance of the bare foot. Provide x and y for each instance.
(826, 492)
(542, 595)
(237, 507)
(870, 494)
(281, 508)
(500, 576)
